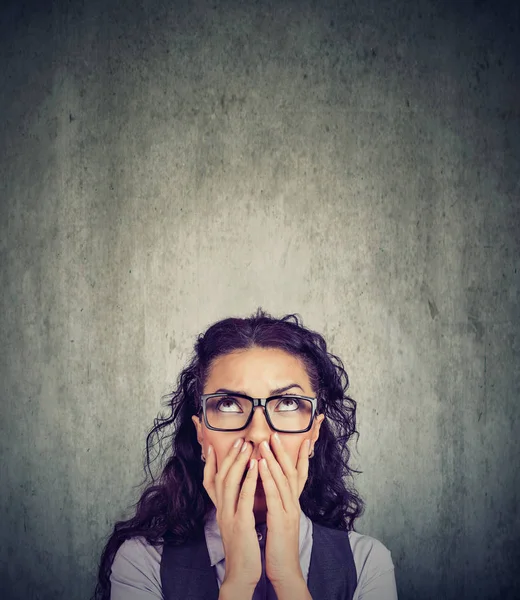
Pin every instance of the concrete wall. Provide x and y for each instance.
(167, 164)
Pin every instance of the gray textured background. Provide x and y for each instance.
(167, 164)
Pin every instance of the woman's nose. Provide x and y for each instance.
(258, 430)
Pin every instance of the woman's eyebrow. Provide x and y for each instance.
(273, 392)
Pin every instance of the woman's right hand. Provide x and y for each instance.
(235, 515)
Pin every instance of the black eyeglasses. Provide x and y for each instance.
(287, 413)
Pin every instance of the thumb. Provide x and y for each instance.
(210, 469)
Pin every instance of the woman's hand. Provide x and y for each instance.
(235, 515)
(283, 485)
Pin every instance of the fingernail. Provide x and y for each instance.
(276, 437)
(244, 447)
(309, 443)
(237, 443)
(210, 450)
(265, 445)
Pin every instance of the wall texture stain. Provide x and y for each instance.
(166, 164)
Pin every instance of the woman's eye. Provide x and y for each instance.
(288, 404)
(228, 405)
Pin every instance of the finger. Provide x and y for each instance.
(302, 466)
(209, 474)
(284, 461)
(246, 499)
(272, 494)
(286, 482)
(276, 471)
(222, 469)
(231, 484)
(229, 459)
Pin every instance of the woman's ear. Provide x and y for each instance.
(198, 426)
(316, 429)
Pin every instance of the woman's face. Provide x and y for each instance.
(256, 372)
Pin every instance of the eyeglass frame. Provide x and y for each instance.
(259, 402)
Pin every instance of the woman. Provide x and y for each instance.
(252, 501)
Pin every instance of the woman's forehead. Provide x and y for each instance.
(269, 366)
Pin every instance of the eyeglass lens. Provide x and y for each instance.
(286, 413)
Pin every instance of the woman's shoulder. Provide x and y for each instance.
(140, 548)
(369, 553)
(374, 565)
(136, 568)
(369, 548)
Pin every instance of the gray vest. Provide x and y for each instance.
(186, 572)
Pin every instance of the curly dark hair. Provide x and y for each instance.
(176, 500)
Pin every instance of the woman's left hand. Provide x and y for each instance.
(283, 485)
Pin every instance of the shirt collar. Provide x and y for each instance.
(214, 539)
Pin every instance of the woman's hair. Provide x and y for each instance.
(176, 501)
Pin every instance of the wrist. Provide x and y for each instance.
(231, 590)
(295, 588)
